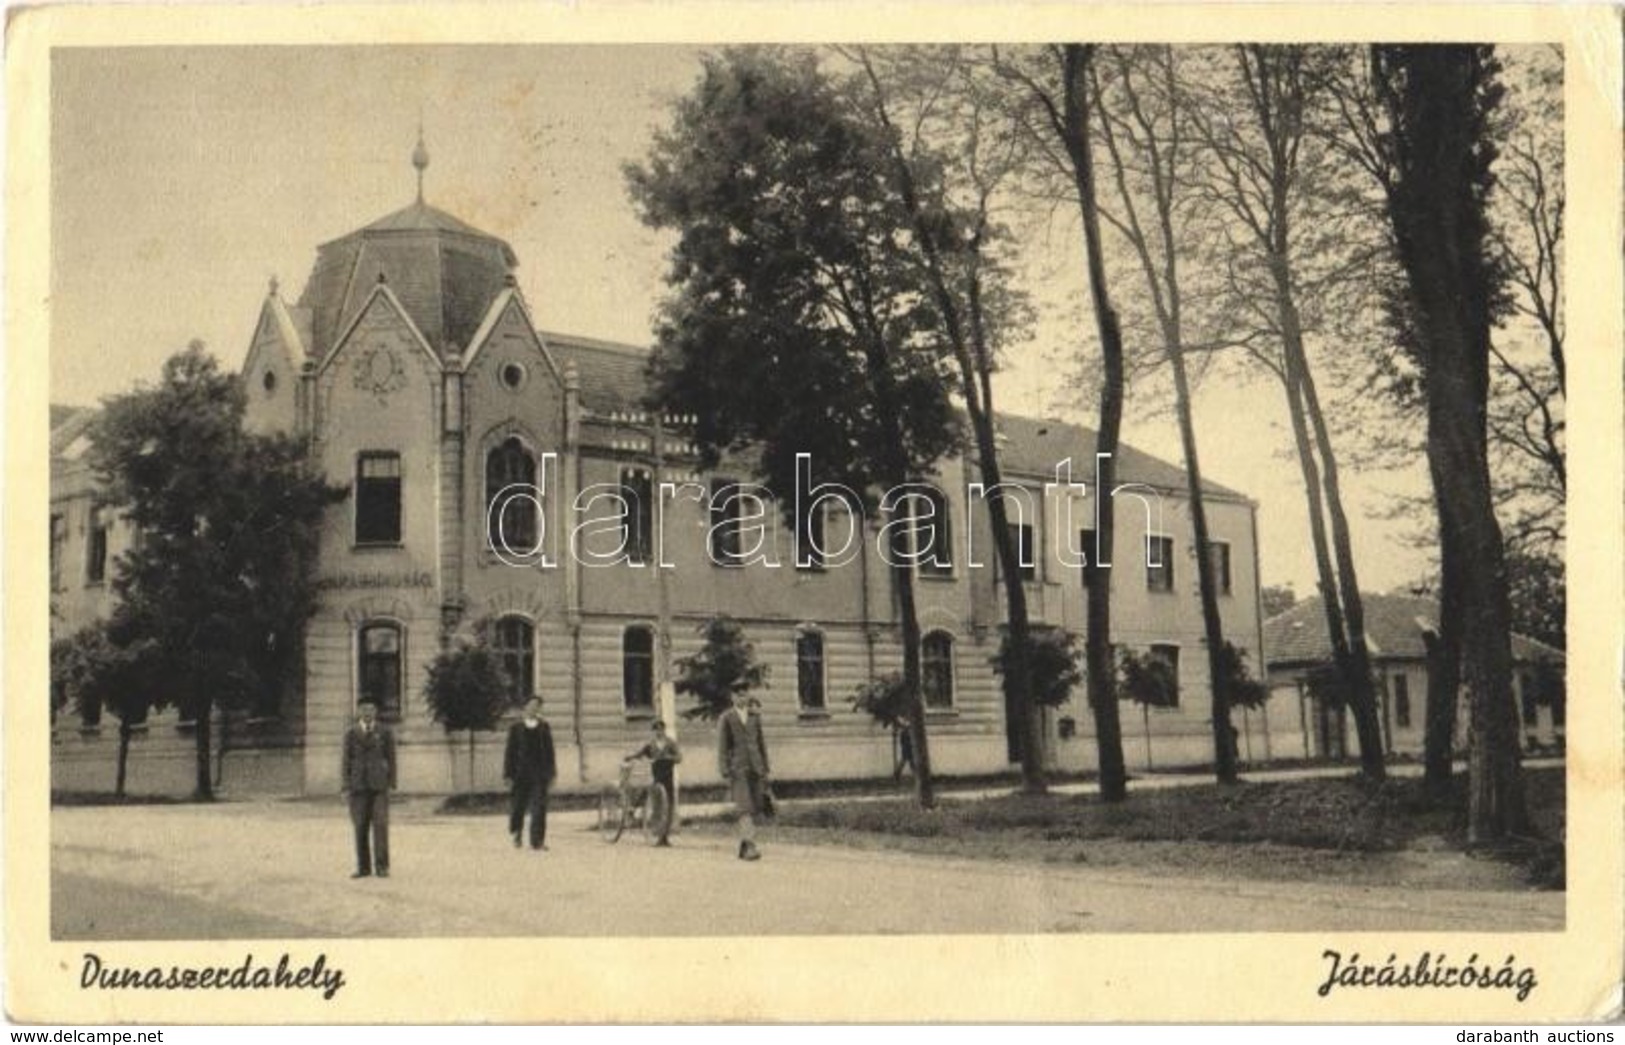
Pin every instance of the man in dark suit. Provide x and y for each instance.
(368, 776)
(742, 761)
(529, 768)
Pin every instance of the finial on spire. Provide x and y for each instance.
(420, 156)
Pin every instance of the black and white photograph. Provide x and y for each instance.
(610, 493)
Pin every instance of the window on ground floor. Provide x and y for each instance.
(381, 649)
(637, 668)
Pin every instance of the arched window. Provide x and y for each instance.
(515, 645)
(380, 651)
(510, 478)
(937, 669)
(810, 669)
(637, 668)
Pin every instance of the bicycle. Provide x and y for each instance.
(636, 798)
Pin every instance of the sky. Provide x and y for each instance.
(185, 179)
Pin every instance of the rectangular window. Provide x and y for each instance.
(1021, 534)
(378, 498)
(810, 537)
(59, 543)
(381, 669)
(637, 514)
(637, 668)
(1159, 551)
(96, 548)
(1219, 556)
(725, 512)
(1530, 702)
(810, 670)
(1169, 655)
(1402, 702)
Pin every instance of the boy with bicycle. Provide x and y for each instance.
(663, 755)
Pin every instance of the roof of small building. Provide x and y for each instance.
(1394, 627)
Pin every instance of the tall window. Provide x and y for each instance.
(1402, 701)
(935, 537)
(937, 669)
(96, 548)
(810, 537)
(1086, 545)
(1219, 556)
(1159, 550)
(515, 644)
(510, 489)
(637, 514)
(637, 668)
(378, 498)
(1169, 655)
(1021, 535)
(810, 669)
(59, 542)
(381, 667)
(725, 512)
(1530, 698)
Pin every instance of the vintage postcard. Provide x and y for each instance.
(744, 512)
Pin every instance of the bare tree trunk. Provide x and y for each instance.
(204, 790)
(1356, 668)
(908, 612)
(124, 732)
(1444, 682)
(1100, 669)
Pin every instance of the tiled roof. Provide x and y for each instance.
(1034, 446)
(444, 271)
(1393, 623)
(613, 376)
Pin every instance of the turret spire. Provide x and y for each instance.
(420, 157)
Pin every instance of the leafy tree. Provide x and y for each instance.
(467, 689)
(1052, 657)
(1438, 150)
(221, 584)
(1148, 681)
(795, 323)
(884, 699)
(725, 666)
(1244, 690)
(96, 673)
(1277, 599)
(1538, 590)
(948, 160)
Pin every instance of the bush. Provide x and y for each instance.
(1053, 660)
(725, 666)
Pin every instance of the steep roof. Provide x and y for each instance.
(444, 271)
(1394, 626)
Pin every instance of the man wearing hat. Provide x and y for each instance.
(368, 775)
(529, 768)
(742, 761)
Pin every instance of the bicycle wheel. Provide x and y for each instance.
(612, 813)
(656, 814)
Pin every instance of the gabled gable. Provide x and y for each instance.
(380, 298)
(508, 313)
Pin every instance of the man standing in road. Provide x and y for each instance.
(368, 775)
(529, 767)
(742, 761)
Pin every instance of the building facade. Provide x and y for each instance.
(506, 482)
(1399, 629)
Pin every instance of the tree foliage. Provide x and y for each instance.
(724, 667)
(467, 688)
(220, 583)
(1243, 690)
(1147, 679)
(1053, 655)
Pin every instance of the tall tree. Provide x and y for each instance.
(1438, 102)
(1055, 104)
(948, 157)
(1254, 111)
(1145, 128)
(221, 582)
(795, 322)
